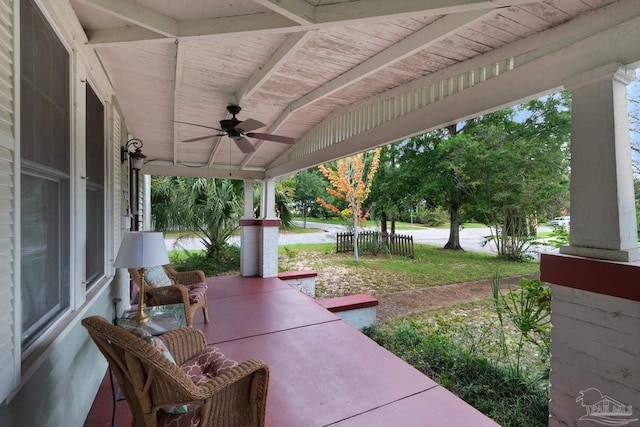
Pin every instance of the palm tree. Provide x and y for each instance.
(208, 207)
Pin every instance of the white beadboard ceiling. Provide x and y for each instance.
(319, 71)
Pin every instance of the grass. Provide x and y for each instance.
(432, 266)
(512, 399)
(294, 229)
(460, 348)
(474, 326)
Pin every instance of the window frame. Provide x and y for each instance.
(44, 171)
(103, 186)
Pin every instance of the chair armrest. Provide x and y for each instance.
(247, 381)
(173, 294)
(183, 343)
(220, 395)
(184, 277)
(236, 373)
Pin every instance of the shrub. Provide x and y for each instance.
(509, 397)
(431, 217)
(229, 262)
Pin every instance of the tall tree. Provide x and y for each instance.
(433, 166)
(519, 164)
(309, 185)
(352, 184)
(502, 169)
(386, 191)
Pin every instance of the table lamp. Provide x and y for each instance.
(141, 249)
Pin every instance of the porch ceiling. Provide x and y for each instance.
(318, 70)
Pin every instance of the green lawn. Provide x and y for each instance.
(432, 266)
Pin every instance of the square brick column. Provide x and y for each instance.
(259, 237)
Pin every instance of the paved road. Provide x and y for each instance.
(471, 239)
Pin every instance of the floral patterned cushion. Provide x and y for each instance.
(197, 292)
(207, 364)
(156, 277)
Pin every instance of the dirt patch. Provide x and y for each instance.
(402, 303)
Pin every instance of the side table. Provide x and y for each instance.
(163, 318)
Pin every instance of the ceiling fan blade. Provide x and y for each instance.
(249, 125)
(196, 124)
(244, 145)
(269, 137)
(200, 138)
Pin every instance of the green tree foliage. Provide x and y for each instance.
(433, 166)
(388, 189)
(518, 169)
(503, 169)
(309, 184)
(208, 207)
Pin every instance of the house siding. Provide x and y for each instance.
(595, 344)
(61, 374)
(8, 364)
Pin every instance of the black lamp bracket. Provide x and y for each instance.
(124, 151)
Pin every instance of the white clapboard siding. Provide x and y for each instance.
(9, 362)
(594, 344)
(118, 185)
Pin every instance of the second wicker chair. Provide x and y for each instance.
(188, 288)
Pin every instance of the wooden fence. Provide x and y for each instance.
(374, 242)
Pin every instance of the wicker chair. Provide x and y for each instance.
(151, 383)
(186, 291)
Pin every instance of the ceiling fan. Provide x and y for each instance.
(239, 130)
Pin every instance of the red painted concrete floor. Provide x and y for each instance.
(322, 371)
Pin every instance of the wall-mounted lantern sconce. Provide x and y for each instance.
(137, 158)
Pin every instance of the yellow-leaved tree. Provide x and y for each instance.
(351, 182)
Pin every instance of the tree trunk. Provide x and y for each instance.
(454, 228)
(383, 223)
(356, 258)
(393, 225)
(304, 215)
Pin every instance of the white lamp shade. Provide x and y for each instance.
(141, 249)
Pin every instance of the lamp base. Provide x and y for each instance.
(140, 317)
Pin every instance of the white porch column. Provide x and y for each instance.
(595, 307)
(249, 235)
(603, 217)
(146, 202)
(247, 207)
(268, 199)
(270, 225)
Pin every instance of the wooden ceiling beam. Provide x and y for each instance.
(298, 11)
(135, 14)
(372, 9)
(428, 36)
(291, 16)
